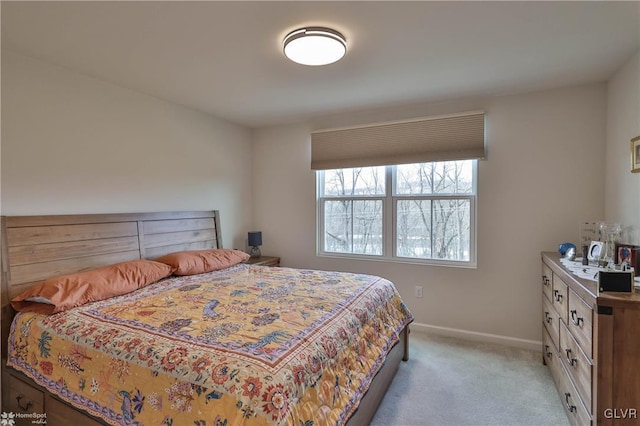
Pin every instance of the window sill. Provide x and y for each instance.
(400, 260)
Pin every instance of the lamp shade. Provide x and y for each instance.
(255, 239)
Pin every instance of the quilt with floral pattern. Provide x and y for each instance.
(242, 346)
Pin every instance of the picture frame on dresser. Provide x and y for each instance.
(628, 253)
(594, 251)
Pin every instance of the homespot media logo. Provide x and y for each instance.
(9, 419)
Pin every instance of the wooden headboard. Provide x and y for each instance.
(34, 248)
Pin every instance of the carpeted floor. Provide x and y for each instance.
(450, 382)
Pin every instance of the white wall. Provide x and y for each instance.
(622, 203)
(75, 144)
(543, 176)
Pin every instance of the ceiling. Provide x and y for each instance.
(225, 58)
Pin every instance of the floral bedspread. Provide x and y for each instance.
(243, 346)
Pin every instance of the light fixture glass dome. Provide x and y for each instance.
(315, 46)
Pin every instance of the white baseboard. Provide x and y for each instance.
(476, 336)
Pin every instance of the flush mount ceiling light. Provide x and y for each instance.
(315, 46)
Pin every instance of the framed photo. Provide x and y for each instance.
(594, 250)
(635, 155)
(628, 253)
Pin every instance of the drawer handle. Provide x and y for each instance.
(548, 318)
(26, 407)
(545, 280)
(572, 361)
(576, 319)
(570, 407)
(547, 351)
(557, 296)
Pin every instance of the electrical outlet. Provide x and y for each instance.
(419, 291)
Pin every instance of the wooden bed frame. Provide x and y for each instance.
(34, 248)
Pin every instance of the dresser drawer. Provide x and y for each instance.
(549, 351)
(551, 357)
(577, 364)
(551, 322)
(23, 398)
(576, 411)
(573, 406)
(547, 283)
(580, 323)
(559, 297)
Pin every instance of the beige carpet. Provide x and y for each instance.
(454, 382)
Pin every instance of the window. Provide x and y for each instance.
(421, 212)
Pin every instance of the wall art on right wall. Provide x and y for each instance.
(635, 154)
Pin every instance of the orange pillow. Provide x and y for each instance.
(68, 291)
(200, 261)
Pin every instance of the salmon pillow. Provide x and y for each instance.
(68, 291)
(200, 261)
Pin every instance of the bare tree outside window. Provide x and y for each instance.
(436, 227)
(433, 207)
(353, 221)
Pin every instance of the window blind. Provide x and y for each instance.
(441, 138)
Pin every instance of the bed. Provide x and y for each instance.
(176, 351)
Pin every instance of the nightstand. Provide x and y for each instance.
(264, 261)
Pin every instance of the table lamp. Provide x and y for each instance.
(255, 241)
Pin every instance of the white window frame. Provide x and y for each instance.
(389, 203)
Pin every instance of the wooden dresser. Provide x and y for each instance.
(591, 344)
